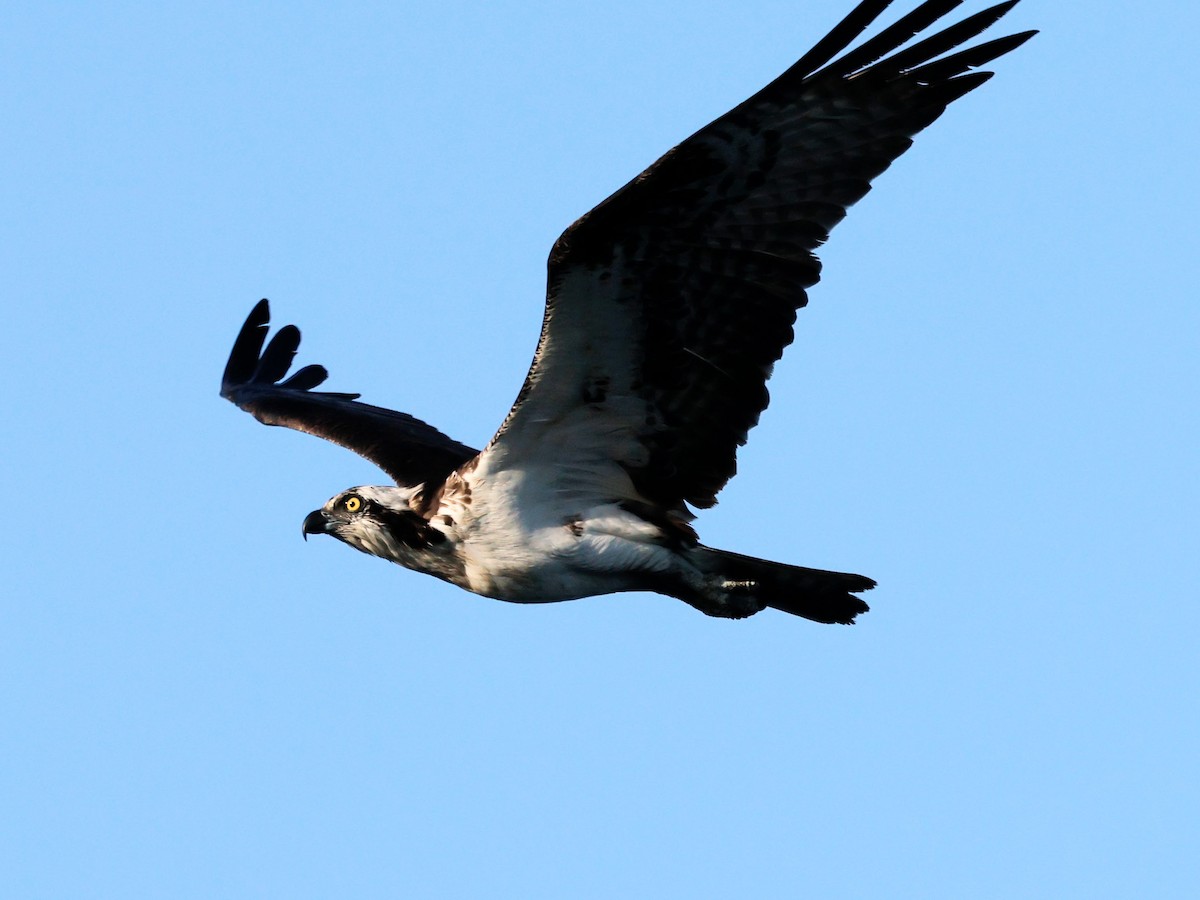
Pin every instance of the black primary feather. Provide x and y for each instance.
(701, 262)
(409, 450)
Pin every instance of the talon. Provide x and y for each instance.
(739, 586)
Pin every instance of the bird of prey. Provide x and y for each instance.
(666, 308)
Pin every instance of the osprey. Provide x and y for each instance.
(666, 307)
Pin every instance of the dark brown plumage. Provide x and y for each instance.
(666, 308)
(709, 252)
(409, 450)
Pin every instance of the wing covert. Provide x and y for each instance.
(669, 303)
(409, 450)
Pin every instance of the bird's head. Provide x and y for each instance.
(375, 520)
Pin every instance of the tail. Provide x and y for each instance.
(742, 585)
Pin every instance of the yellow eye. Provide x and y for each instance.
(353, 504)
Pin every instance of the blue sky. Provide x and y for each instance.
(990, 408)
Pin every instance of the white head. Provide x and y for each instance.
(377, 520)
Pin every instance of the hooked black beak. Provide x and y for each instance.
(316, 522)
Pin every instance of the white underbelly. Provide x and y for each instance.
(602, 550)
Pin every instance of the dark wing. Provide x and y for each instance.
(668, 304)
(407, 449)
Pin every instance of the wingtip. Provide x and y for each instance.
(277, 358)
(243, 358)
(306, 378)
(254, 361)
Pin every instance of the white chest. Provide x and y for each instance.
(532, 546)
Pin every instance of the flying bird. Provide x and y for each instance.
(666, 308)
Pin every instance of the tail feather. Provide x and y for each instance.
(752, 584)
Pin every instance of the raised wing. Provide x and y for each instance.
(668, 304)
(409, 450)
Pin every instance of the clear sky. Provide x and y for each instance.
(991, 408)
